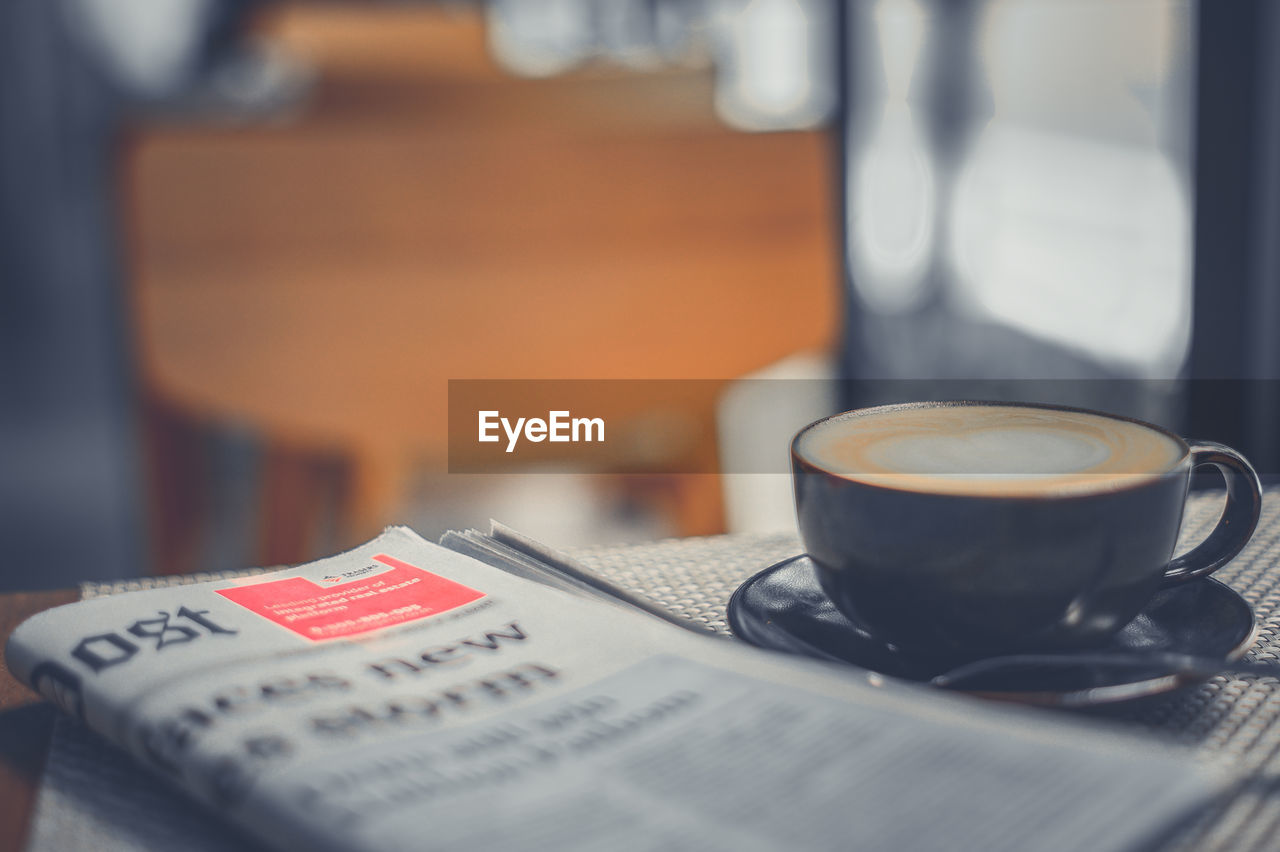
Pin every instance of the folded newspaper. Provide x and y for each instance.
(485, 694)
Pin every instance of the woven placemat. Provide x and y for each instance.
(1231, 719)
(1234, 720)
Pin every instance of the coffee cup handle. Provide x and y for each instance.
(1239, 516)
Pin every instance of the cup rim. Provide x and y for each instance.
(800, 459)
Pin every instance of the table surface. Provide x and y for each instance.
(25, 723)
(1230, 720)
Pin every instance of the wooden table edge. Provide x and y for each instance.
(26, 723)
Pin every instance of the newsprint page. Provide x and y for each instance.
(405, 696)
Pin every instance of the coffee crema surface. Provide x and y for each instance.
(989, 450)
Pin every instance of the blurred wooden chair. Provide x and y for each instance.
(425, 217)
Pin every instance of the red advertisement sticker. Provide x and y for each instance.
(385, 593)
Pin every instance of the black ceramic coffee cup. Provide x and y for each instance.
(965, 563)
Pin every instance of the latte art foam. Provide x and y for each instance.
(989, 450)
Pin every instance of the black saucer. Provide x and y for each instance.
(783, 609)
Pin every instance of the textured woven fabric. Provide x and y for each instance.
(1235, 720)
(137, 584)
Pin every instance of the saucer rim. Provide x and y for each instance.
(1098, 696)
